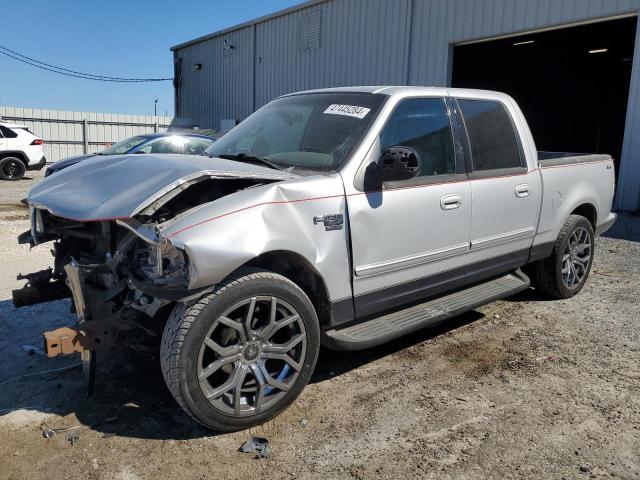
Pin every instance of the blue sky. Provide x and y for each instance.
(115, 38)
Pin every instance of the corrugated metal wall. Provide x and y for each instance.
(225, 68)
(63, 131)
(362, 41)
(456, 21)
(377, 42)
(628, 193)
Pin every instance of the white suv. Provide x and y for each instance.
(20, 150)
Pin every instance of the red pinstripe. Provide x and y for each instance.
(278, 202)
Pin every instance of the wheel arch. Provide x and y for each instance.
(301, 272)
(588, 211)
(17, 154)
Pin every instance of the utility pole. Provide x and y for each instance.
(155, 108)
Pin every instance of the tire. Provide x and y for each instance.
(12, 168)
(207, 349)
(552, 275)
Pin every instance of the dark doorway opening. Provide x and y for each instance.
(572, 83)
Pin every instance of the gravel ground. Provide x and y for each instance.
(522, 388)
(12, 192)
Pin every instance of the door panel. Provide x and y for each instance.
(503, 219)
(406, 232)
(399, 236)
(506, 196)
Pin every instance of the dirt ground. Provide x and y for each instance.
(523, 388)
(12, 192)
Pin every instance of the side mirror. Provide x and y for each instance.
(399, 163)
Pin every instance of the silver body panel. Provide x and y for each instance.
(402, 234)
(390, 237)
(502, 222)
(120, 186)
(567, 186)
(221, 236)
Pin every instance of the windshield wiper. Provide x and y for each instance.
(243, 157)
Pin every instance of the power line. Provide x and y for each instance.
(73, 73)
(61, 73)
(85, 74)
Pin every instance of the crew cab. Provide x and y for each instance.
(340, 217)
(20, 150)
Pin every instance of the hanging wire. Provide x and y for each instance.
(73, 73)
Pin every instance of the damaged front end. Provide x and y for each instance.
(105, 221)
(122, 276)
(119, 274)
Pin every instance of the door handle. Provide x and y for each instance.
(522, 190)
(449, 202)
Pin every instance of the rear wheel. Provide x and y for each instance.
(565, 272)
(12, 168)
(242, 354)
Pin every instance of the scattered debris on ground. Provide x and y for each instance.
(257, 445)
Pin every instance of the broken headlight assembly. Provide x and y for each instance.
(156, 259)
(163, 263)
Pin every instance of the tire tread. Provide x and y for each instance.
(543, 272)
(182, 318)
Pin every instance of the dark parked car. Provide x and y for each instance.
(167, 142)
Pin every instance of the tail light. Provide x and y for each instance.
(37, 141)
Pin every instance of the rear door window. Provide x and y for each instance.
(492, 138)
(7, 132)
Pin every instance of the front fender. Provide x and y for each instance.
(221, 236)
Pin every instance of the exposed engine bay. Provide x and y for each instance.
(123, 275)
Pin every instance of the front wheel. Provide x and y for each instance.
(565, 272)
(241, 355)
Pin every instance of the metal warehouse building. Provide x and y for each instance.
(569, 63)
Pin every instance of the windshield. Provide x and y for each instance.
(123, 146)
(315, 131)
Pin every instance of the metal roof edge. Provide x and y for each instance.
(240, 26)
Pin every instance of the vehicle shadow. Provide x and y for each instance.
(131, 399)
(530, 295)
(626, 227)
(333, 363)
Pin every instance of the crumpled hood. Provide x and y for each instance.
(119, 186)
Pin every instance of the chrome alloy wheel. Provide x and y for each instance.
(576, 258)
(252, 355)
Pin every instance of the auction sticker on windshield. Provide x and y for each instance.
(347, 110)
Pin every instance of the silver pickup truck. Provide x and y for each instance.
(342, 217)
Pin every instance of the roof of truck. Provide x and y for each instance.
(398, 89)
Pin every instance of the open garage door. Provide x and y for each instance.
(572, 83)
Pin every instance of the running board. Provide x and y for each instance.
(394, 325)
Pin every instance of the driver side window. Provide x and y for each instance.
(423, 125)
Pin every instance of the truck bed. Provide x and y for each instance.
(551, 159)
(587, 181)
